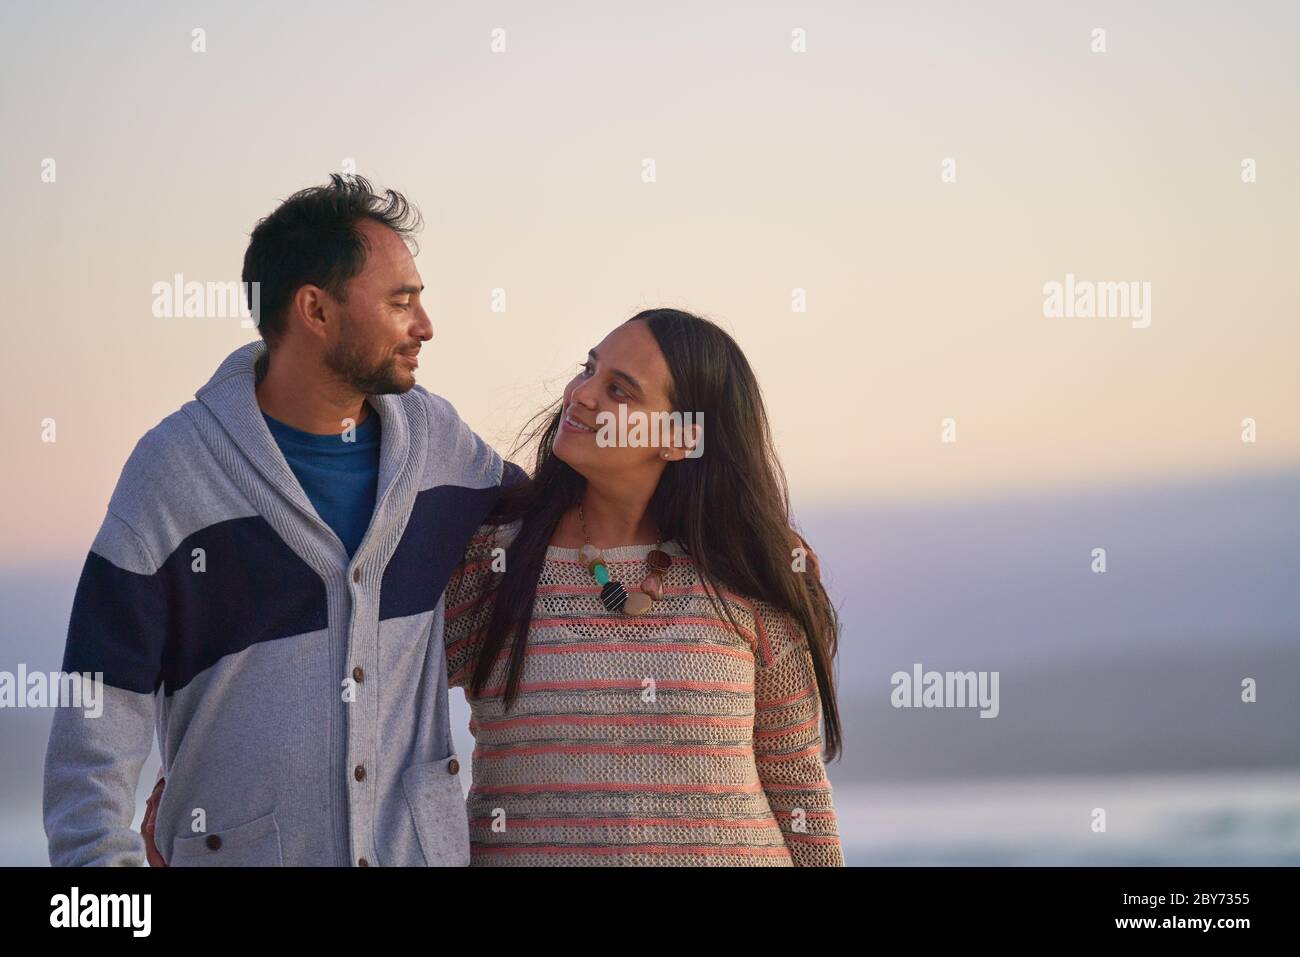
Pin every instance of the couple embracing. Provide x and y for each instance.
(297, 565)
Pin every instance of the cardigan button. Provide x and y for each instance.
(358, 675)
(363, 863)
(453, 766)
(213, 842)
(356, 574)
(360, 772)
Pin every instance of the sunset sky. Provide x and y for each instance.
(775, 171)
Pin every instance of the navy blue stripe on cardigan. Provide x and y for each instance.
(161, 630)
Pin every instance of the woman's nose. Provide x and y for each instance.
(584, 395)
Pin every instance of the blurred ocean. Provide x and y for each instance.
(1119, 691)
(1241, 819)
(1237, 819)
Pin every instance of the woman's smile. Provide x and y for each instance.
(573, 425)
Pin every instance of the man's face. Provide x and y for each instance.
(382, 324)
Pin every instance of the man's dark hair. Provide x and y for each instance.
(312, 238)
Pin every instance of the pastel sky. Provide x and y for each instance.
(775, 171)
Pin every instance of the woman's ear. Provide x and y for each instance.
(693, 438)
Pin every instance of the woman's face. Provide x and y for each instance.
(625, 369)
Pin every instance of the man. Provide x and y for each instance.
(265, 591)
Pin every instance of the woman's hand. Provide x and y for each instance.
(809, 554)
(146, 826)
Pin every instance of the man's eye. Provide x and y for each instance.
(403, 305)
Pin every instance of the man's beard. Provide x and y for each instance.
(348, 362)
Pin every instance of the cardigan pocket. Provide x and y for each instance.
(438, 808)
(253, 844)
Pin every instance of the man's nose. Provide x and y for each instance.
(424, 326)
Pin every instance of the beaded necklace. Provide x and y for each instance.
(612, 594)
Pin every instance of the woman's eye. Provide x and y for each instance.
(620, 390)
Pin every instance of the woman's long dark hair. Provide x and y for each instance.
(729, 508)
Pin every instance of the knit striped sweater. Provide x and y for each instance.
(666, 739)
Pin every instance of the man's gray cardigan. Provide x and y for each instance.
(299, 696)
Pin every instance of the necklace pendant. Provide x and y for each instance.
(653, 586)
(659, 560)
(613, 596)
(638, 603)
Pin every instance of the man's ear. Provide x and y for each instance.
(308, 309)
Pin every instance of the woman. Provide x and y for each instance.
(644, 654)
(682, 734)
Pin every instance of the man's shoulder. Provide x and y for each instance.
(173, 439)
(159, 458)
(438, 406)
(457, 443)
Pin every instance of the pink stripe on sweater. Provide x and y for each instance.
(630, 684)
(619, 786)
(613, 719)
(463, 607)
(755, 822)
(647, 621)
(582, 648)
(670, 750)
(708, 850)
